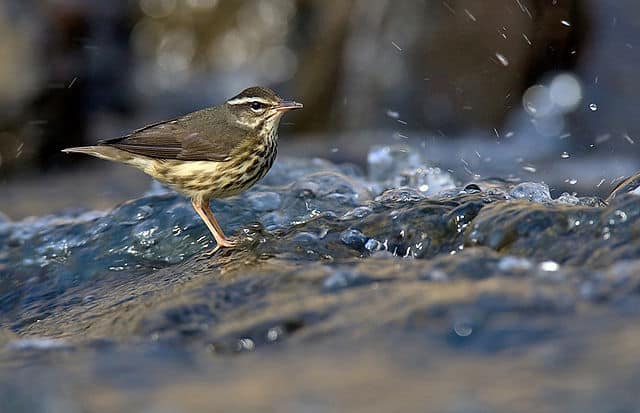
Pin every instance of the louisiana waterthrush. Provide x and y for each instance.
(215, 152)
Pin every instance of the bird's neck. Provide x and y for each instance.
(269, 131)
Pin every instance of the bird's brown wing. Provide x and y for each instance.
(199, 136)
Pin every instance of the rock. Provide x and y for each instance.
(531, 191)
(353, 238)
(327, 270)
(629, 185)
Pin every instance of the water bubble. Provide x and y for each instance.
(620, 215)
(565, 91)
(549, 266)
(245, 344)
(274, 333)
(463, 328)
(593, 107)
(374, 245)
(536, 101)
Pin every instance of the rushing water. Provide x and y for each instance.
(349, 292)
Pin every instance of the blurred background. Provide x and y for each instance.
(540, 90)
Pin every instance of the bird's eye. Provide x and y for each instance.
(257, 106)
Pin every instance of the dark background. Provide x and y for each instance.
(542, 90)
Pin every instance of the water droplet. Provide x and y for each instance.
(503, 60)
(564, 155)
(393, 114)
(274, 333)
(593, 107)
(471, 16)
(373, 245)
(463, 328)
(245, 344)
(565, 23)
(549, 266)
(622, 216)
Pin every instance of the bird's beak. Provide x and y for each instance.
(287, 105)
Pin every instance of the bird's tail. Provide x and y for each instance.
(103, 152)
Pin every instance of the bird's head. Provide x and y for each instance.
(259, 108)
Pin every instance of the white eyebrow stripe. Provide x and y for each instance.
(242, 101)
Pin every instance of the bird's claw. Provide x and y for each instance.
(226, 243)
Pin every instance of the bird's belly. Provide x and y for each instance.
(213, 179)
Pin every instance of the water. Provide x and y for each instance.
(345, 281)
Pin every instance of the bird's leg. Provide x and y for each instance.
(204, 210)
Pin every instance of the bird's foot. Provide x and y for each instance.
(223, 243)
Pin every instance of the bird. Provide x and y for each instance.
(216, 152)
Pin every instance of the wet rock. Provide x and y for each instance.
(344, 279)
(184, 319)
(5, 337)
(265, 201)
(568, 199)
(326, 264)
(531, 191)
(511, 263)
(399, 195)
(353, 238)
(630, 185)
(472, 188)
